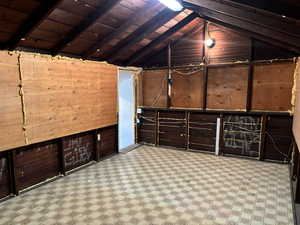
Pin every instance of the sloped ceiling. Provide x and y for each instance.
(125, 31)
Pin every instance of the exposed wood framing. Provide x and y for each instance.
(169, 80)
(151, 54)
(148, 48)
(157, 129)
(205, 70)
(250, 78)
(33, 21)
(263, 137)
(116, 33)
(268, 29)
(146, 29)
(221, 143)
(12, 172)
(16, 188)
(84, 25)
(62, 157)
(205, 79)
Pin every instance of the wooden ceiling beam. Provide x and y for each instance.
(148, 48)
(153, 24)
(244, 21)
(250, 14)
(84, 25)
(149, 8)
(280, 7)
(33, 21)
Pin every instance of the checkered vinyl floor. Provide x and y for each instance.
(160, 186)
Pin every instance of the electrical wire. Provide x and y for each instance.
(193, 72)
(159, 93)
(276, 146)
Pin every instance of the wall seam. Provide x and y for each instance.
(21, 93)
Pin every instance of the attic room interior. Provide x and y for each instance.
(149, 112)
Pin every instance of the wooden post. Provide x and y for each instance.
(62, 157)
(250, 78)
(187, 136)
(157, 129)
(262, 137)
(96, 146)
(12, 172)
(205, 77)
(205, 69)
(221, 142)
(169, 76)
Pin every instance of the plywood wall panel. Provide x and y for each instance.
(272, 86)
(227, 87)
(187, 88)
(11, 118)
(61, 96)
(64, 97)
(155, 88)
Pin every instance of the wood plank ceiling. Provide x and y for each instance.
(125, 31)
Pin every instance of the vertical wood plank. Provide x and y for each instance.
(249, 87)
(62, 157)
(221, 143)
(169, 80)
(12, 178)
(250, 78)
(263, 137)
(157, 128)
(205, 78)
(13, 173)
(96, 146)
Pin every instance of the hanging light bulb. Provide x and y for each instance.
(174, 5)
(210, 42)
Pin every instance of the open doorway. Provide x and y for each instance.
(126, 101)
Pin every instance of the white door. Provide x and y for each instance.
(126, 109)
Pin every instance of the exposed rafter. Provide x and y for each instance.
(257, 25)
(149, 27)
(281, 7)
(149, 8)
(147, 49)
(33, 21)
(84, 25)
(165, 48)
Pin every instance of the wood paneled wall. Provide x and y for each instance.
(44, 97)
(227, 88)
(230, 46)
(234, 87)
(260, 135)
(272, 86)
(11, 116)
(154, 88)
(27, 166)
(185, 88)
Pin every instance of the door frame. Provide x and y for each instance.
(135, 72)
